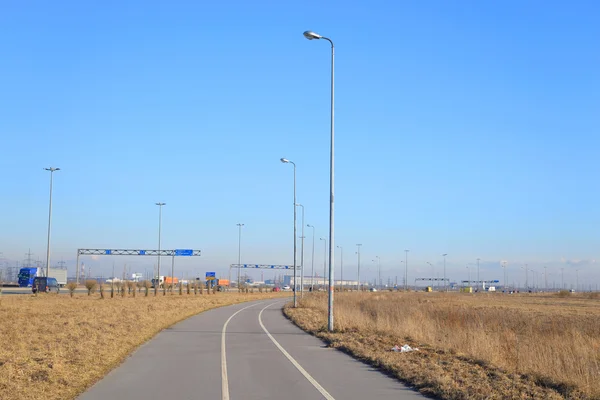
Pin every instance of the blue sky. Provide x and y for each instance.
(462, 128)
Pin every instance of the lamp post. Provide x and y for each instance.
(358, 272)
(286, 161)
(406, 271)
(157, 283)
(432, 271)
(445, 285)
(312, 261)
(239, 255)
(478, 280)
(302, 255)
(378, 270)
(341, 267)
(51, 169)
(505, 277)
(469, 269)
(310, 36)
(324, 260)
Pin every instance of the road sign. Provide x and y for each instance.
(142, 252)
(107, 252)
(210, 276)
(184, 252)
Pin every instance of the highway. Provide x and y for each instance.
(23, 290)
(245, 351)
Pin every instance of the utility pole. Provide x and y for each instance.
(478, 280)
(406, 271)
(312, 262)
(445, 285)
(157, 283)
(302, 255)
(341, 267)
(51, 169)
(358, 272)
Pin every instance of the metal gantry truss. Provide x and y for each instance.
(432, 279)
(135, 252)
(265, 266)
(125, 252)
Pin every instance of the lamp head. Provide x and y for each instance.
(284, 160)
(310, 35)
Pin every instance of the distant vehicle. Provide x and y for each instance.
(45, 285)
(491, 289)
(164, 280)
(373, 289)
(27, 275)
(572, 291)
(286, 287)
(429, 289)
(223, 282)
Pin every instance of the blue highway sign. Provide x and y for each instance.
(184, 252)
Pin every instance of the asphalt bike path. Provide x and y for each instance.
(244, 351)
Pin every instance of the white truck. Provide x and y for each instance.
(59, 274)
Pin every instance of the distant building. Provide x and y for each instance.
(318, 281)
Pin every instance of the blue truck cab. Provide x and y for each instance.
(26, 276)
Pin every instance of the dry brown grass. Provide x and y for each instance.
(471, 346)
(55, 346)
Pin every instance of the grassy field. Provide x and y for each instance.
(54, 346)
(483, 346)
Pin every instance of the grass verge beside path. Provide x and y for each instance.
(484, 346)
(54, 346)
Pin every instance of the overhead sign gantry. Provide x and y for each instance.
(136, 252)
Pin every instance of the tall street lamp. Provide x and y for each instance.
(341, 267)
(286, 161)
(445, 286)
(302, 255)
(505, 277)
(379, 270)
(406, 270)
(432, 272)
(157, 282)
(310, 36)
(358, 272)
(469, 269)
(312, 262)
(239, 255)
(51, 169)
(324, 260)
(478, 280)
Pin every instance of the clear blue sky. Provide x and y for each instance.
(466, 128)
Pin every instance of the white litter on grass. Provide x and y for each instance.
(404, 349)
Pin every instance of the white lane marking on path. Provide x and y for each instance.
(224, 381)
(292, 360)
